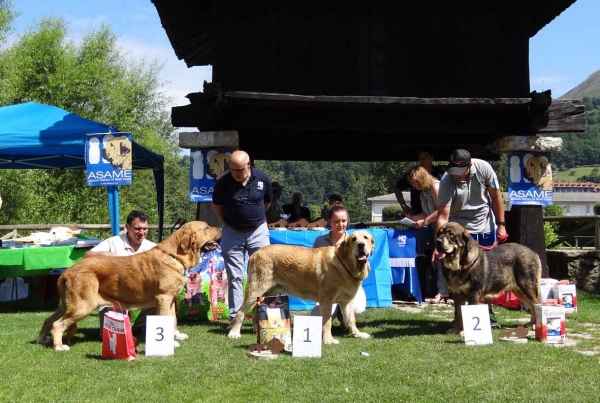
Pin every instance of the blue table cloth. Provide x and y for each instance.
(402, 246)
(377, 286)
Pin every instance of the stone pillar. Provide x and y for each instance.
(204, 211)
(524, 223)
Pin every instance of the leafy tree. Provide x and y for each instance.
(95, 80)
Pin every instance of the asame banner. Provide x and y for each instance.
(530, 178)
(108, 159)
(206, 165)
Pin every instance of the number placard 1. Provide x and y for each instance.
(307, 336)
(476, 324)
(160, 335)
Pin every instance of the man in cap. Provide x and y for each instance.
(469, 194)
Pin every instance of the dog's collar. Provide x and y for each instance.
(175, 257)
(346, 268)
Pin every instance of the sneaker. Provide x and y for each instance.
(494, 323)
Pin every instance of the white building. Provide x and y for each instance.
(572, 203)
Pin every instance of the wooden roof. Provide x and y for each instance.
(188, 23)
(368, 79)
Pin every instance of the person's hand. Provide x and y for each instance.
(434, 256)
(420, 224)
(501, 234)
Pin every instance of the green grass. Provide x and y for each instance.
(565, 176)
(411, 359)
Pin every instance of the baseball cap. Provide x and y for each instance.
(459, 162)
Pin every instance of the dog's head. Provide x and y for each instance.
(192, 238)
(456, 248)
(538, 171)
(218, 164)
(117, 151)
(357, 247)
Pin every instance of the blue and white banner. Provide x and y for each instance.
(530, 178)
(206, 165)
(108, 157)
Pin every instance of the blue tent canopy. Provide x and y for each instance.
(37, 136)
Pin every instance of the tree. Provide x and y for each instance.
(95, 80)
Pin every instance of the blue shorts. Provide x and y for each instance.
(485, 238)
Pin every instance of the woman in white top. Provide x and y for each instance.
(422, 180)
(338, 222)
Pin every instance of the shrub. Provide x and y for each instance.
(597, 209)
(390, 213)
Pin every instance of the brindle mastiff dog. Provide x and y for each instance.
(147, 279)
(474, 274)
(326, 275)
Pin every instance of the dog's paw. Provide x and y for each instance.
(180, 336)
(331, 341)
(362, 335)
(62, 347)
(454, 330)
(44, 342)
(176, 343)
(234, 334)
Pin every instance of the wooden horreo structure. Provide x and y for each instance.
(374, 80)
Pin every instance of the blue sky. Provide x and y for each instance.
(562, 54)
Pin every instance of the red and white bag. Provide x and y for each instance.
(117, 339)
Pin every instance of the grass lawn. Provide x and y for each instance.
(411, 359)
(567, 176)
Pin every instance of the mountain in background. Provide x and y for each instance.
(588, 88)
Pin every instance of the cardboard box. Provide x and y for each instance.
(546, 286)
(550, 323)
(566, 295)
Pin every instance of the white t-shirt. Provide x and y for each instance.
(119, 245)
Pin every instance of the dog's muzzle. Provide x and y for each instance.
(210, 246)
(362, 254)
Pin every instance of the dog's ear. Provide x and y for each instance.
(469, 250)
(343, 248)
(187, 240)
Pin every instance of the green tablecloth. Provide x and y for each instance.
(25, 262)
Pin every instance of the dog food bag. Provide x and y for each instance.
(566, 294)
(274, 320)
(550, 323)
(204, 297)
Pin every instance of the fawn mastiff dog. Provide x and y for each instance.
(326, 275)
(474, 273)
(148, 279)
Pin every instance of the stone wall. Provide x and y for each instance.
(581, 266)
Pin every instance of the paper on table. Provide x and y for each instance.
(406, 221)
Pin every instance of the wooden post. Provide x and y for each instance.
(525, 223)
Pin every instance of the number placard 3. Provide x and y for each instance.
(160, 335)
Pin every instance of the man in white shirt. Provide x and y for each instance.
(131, 242)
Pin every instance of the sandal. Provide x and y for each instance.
(439, 298)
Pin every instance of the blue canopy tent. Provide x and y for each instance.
(41, 136)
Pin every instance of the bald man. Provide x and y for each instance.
(241, 199)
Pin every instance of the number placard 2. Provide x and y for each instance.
(307, 336)
(476, 324)
(160, 335)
